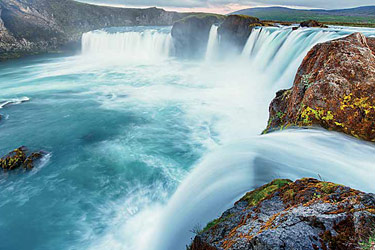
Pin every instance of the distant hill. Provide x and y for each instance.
(365, 14)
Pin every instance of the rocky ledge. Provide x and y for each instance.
(305, 214)
(334, 88)
(38, 26)
(20, 158)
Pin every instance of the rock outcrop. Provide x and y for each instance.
(334, 88)
(20, 158)
(236, 29)
(31, 27)
(190, 34)
(305, 214)
(312, 24)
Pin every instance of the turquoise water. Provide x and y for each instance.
(125, 123)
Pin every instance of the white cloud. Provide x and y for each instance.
(229, 5)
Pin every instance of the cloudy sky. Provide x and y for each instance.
(226, 6)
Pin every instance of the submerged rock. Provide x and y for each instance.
(190, 34)
(334, 88)
(305, 214)
(19, 158)
(236, 29)
(312, 24)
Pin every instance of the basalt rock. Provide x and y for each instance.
(312, 24)
(31, 27)
(305, 214)
(334, 88)
(20, 158)
(235, 30)
(190, 34)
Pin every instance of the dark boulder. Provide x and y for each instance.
(20, 158)
(190, 34)
(334, 88)
(312, 24)
(306, 214)
(235, 30)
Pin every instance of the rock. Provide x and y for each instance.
(236, 29)
(190, 34)
(38, 26)
(305, 214)
(19, 158)
(371, 43)
(334, 88)
(312, 24)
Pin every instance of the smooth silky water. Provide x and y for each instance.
(145, 147)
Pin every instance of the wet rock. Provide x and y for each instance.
(19, 158)
(312, 24)
(190, 34)
(334, 88)
(306, 214)
(236, 29)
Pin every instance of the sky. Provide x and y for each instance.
(227, 6)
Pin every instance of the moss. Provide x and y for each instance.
(213, 223)
(368, 244)
(327, 187)
(255, 197)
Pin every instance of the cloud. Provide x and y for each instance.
(225, 6)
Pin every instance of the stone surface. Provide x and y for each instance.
(334, 88)
(236, 29)
(19, 158)
(31, 27)
(312, 24)
(190, 34)
(305, 214)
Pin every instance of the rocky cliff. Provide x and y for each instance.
(235, 30)
(29, 27)
(305, 214)
(334, 88)
(191, 33)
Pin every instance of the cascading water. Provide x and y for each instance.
(213, 43)
(143, 149)
(129, 45)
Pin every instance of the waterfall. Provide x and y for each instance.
(213, 42)
(225, 175)
(147, 45)
(279, 51)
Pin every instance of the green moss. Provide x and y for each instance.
(213, 223)
(369, 244)
(255, 197)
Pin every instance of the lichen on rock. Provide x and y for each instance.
(19, 158)
(334, 88)
(305, 214)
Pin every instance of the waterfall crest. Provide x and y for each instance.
(139, 46)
